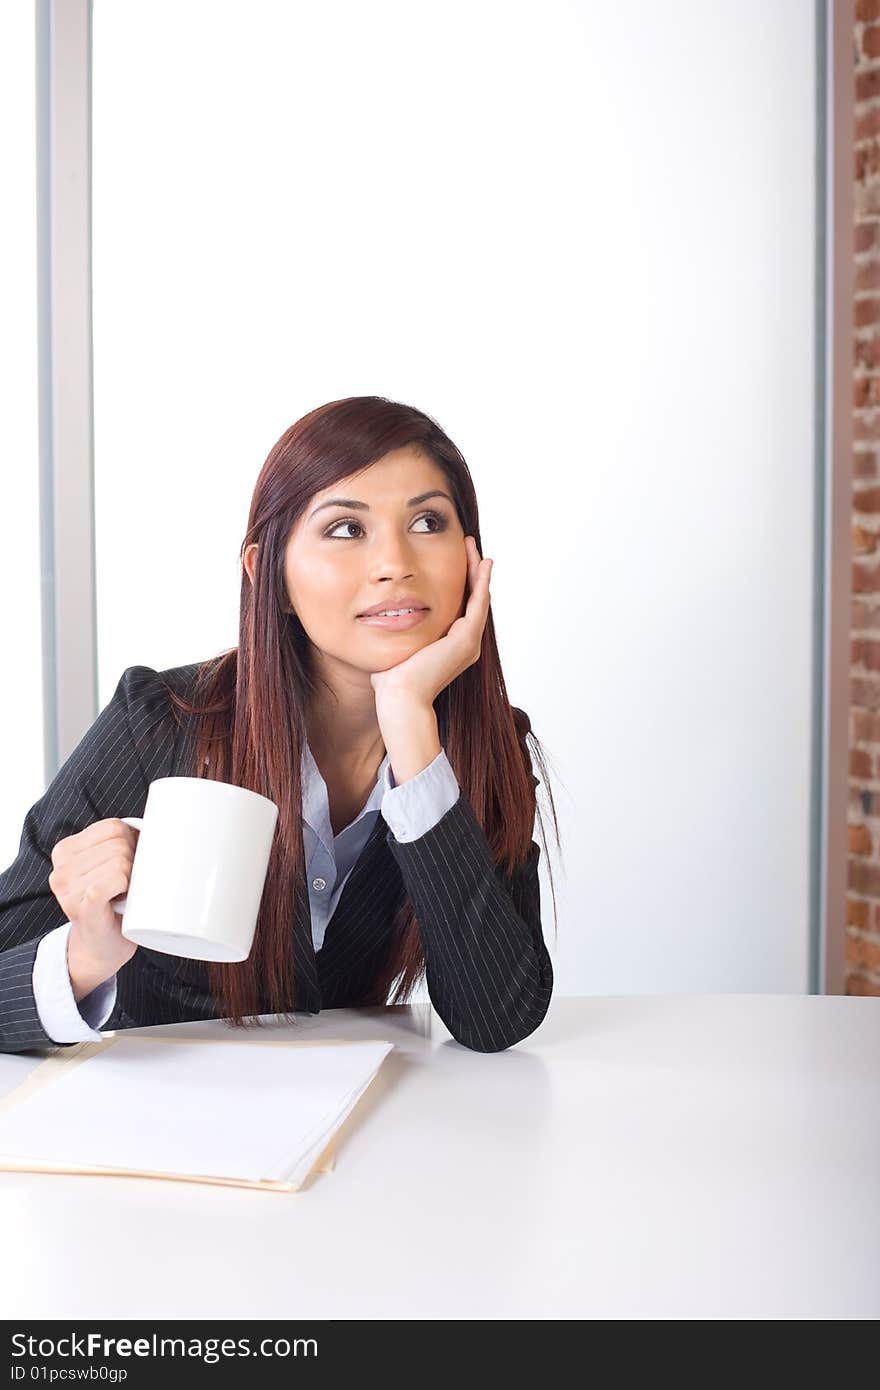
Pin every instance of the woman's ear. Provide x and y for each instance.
(250, 560)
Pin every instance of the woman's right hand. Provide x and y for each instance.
(88, 870)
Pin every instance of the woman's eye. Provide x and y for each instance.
(438, 523)
(335, 527)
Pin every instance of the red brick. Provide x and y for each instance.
(871, 41)
(858, 913)
(858, 836)
(867, 160)
(865, 579)
(863, 542)
(865, 727)
(864, 693)
(865, 652)
(865, 235)
(867, 10)
(867, 85)
(866, 500)
(865, 461)
(861, 392)
(865, 617)
(868, 124)
(863, 877)
(860, 984)
(861, 764)
(866, 427)
(867, 197)
(867, 276)
(868, 352)
(863, 952)
(866, 311)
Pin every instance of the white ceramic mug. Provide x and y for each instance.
(199, 868)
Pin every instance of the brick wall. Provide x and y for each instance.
(863, 869)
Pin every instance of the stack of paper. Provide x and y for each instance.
(254, 1113)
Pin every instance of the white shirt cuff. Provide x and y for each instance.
(416, 805)
(63, 1019)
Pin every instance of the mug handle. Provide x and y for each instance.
(118, 904)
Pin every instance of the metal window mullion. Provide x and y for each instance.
(69, 604)
(837, 353)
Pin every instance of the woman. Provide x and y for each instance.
(402, 774)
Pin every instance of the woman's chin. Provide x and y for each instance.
(388, 649)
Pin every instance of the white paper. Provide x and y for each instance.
(222, 1109)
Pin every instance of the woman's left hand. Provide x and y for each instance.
(423, 675)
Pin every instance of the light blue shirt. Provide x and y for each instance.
(409, 810)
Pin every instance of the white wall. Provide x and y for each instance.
(581, 236)
(21, 657)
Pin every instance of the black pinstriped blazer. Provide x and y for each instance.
(488, 972)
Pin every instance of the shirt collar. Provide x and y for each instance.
(316, 803)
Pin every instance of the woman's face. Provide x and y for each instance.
(384, 543)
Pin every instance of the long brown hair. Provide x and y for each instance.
(252, 700)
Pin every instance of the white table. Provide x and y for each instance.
(686, 1156)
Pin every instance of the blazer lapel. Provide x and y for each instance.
(308, 993)
(363, 916)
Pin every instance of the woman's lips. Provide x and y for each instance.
(403, 620)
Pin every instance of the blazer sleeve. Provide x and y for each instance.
(102, 777)
(488, 970)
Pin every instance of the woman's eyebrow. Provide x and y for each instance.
(350, 501)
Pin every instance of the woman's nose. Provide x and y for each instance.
(392, 559)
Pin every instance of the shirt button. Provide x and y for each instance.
(319, 883)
